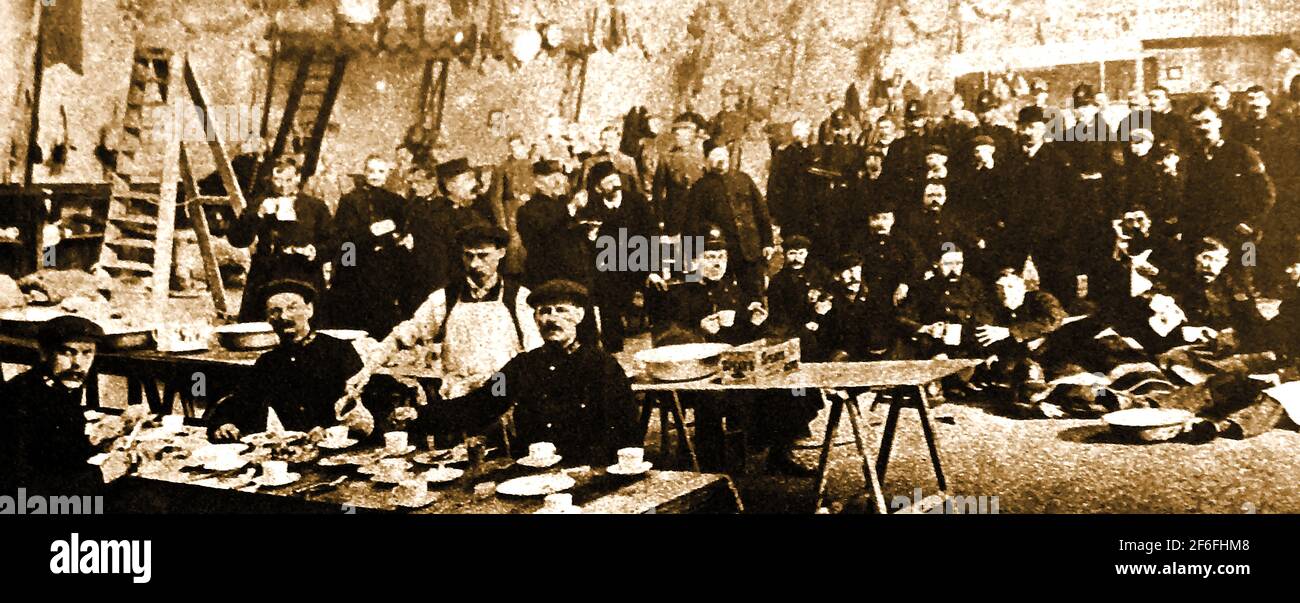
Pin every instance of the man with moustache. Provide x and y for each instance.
(905, 160)
(371, 243)
(1037, 214)
(1165, 124)
(943, 311)
(794, 288)
(984, 190)
(302, 378)
(934, 228)
(622, 214)
(548, 224)
(571, 394)
(291, 231)
(1015, 322)
(851, 322)
(891, 260)
(43, 446)
(624, 164)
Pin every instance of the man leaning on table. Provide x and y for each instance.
(301, 378)
(571, 394)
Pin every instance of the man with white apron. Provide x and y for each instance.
(481, 322)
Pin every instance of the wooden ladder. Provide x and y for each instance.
(309, 101)
(139, 235)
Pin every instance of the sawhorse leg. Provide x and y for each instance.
(891, 425)
(682, 434)
(832, 423)
(870, 479)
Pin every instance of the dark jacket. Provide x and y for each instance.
(435, 258)
(790, 190)
(859, 328)
(270, 261)
(301, 382)
(581, 401)
(677, 171)
(732, 202)
(365, 293)
(557, 245)
(42, 438)
(787, 294)
(1230, 187)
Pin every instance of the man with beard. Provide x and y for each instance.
(936, 230)
(891, 260)
(291, 231)
(1229, 194)
(984, 191)
(943, 310)
(1016, 323)
(609, 151)
(678, 171)
(730, 200)
(548, 224)
(302, 378)
(791, 292)
(1037, 216)
(622, 215)
(564, 391)
(990, 124)
(370, 244)
(1165, 124)
(790, 187)
(43, 442)
(835, 169)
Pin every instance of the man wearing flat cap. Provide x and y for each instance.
(566, 392)
(610, 139)
(43, 446)
(983, 190)
(302, 378)
(991, 124)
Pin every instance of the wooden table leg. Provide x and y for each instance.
(887, 436)
(682, 433)
(868, 468)
(647, 410)
(931, 441)
(832, 422)
(663, 428)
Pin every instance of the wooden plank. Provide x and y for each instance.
(199, 221)
(162, 257)
(441, 92)
(286, 120)
(215, 143)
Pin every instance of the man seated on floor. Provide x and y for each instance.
(1219, 310)
(945, 308)
(302, 378)
(573, 395)
(1017, 323)
(43, 442)
(852, 322)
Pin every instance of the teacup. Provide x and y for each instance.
(541, 450)
(727, 317)
(336, 434)
(285, 211)
(412, 490)
(952, 334)
(275, 471)
(1191, 334)
(395, 442)
(631, 458)
(558, 501)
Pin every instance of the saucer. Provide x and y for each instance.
(617, 469)
(389, 453)
(441, 475)
(288, 479)
(340, 445)
(539, 463)
(536, 485)
(224, 467)
(406, 503)
(569, 510)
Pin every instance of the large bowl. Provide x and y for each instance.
(684, 362)
(128, 339)
(247, 336)
(1148, 424)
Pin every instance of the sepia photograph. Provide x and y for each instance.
(411, 259)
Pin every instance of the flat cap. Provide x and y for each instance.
(982, 140)
(1030, 115)
(558, 291)
(289, 285)
(68, 327)
(936, 149)
(453, 168)
(600, 171)
(797, 242)
(546, 167)
(476, 235)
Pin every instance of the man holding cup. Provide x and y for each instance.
(573, 395)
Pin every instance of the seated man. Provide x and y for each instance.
(944, 310)
(788, 293)
(573, 395)
(853, 322)
(1016, 324)
(43, 446)
(302, 378)
(891, 260)
(716, 307)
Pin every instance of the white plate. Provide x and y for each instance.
(1142, 418)
(621, 470)
(539, 463)
(288, 479)
(536, 485)
(328, 445)
(442, 475)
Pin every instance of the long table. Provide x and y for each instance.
(904, 381)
